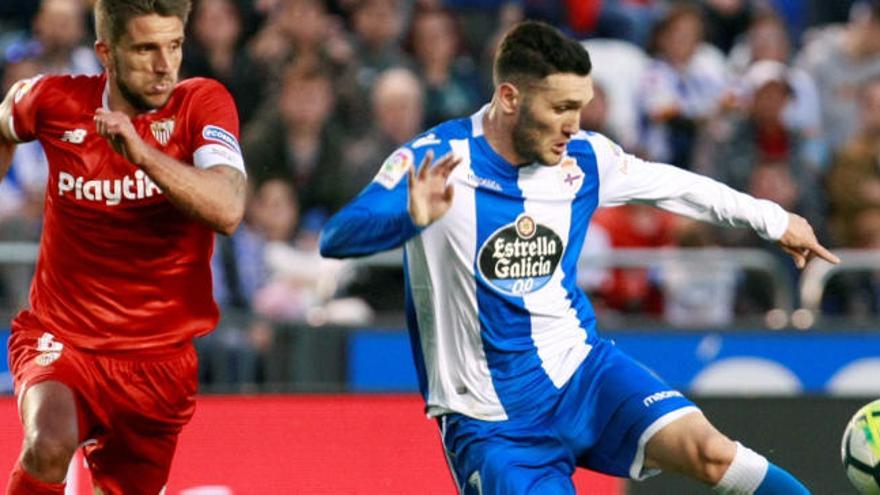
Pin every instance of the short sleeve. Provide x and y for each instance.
(215, 129)
(26, 102)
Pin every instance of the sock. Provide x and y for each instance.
(780, 481)
(751, 474)
(23, 483)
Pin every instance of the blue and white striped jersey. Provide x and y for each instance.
(496, 319)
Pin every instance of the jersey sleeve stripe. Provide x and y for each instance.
(211, 155)
(12, 132)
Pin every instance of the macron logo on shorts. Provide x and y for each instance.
(219, 135)
(654, 398)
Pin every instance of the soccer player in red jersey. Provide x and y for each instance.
(143, 170)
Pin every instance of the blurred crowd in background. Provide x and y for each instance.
(778, 98)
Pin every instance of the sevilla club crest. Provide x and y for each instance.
(162, 130)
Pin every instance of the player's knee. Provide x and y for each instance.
(47, 454)
(713, 455)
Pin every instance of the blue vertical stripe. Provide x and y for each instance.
(505, 322)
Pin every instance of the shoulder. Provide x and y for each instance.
(61, 85)
(448, 131)
(207, 103)
(590, 143)
(439, 137)
(590, 148)
(61, 96)
(201, 87)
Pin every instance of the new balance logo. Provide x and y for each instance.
(49, 349)
(76, 136)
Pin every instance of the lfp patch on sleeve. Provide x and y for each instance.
(222, 136)
(395, 167)
(26, 86)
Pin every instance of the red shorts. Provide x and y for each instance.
(130, 407)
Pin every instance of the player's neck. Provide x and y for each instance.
(117, 102)
(498, 132)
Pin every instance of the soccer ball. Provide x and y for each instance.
(860, 449)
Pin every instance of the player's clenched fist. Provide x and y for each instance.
(120, 132)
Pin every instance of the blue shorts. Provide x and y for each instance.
(602, 419)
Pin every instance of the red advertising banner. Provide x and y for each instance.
(299, 444)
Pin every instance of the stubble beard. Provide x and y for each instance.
(525, 134)
(136, 100)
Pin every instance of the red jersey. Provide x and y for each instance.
(120, 268)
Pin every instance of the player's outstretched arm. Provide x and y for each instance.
(391, 210)
(215, 195)
(800, 242)
(629, 179)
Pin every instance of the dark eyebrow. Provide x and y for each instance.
(154, 44)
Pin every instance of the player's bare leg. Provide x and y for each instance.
(50, 430)
(693, 447)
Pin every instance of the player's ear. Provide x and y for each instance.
(102, 50)
(509, 97)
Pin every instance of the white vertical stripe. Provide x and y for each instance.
(446, 293)
(12, 134)
(477, 121)
(556, 329)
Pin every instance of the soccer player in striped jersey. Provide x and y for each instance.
(506, 347)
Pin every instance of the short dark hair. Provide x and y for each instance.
(112, 16)
(533, 50)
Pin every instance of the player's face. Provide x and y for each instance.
(146, 61)
(549, 116)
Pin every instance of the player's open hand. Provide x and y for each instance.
(800, 242)
(429, 194)
(117, 128)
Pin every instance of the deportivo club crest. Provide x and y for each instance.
(571, 175)
(162, 130)
(520, 257)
